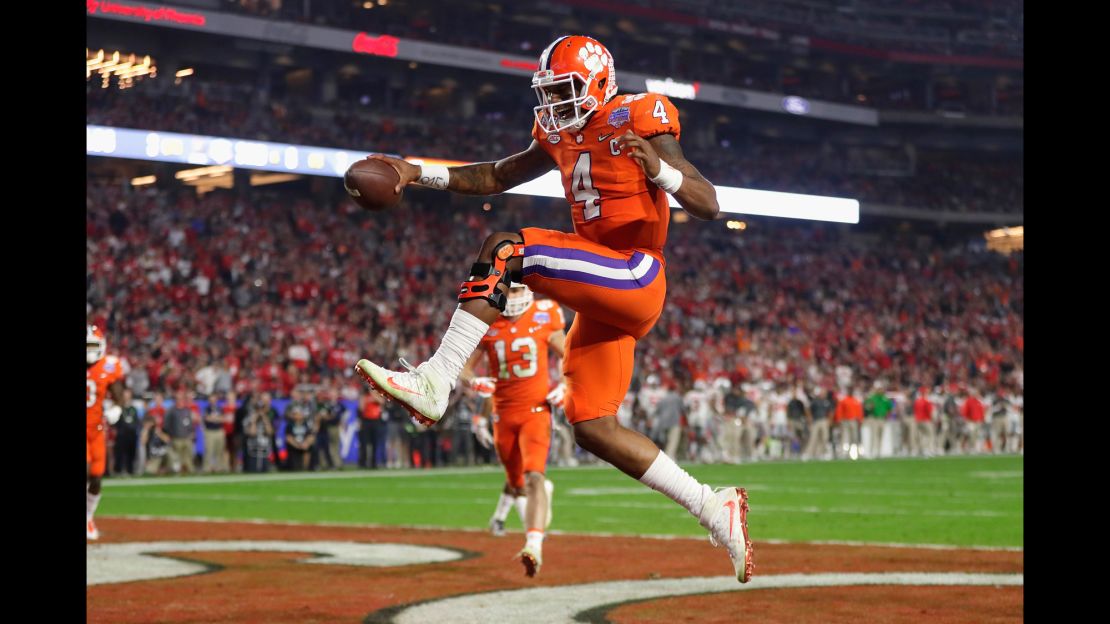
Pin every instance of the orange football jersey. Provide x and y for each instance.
(612, 200)
(97, 379)
(517, 352)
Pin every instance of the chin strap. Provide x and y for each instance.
(484, 276)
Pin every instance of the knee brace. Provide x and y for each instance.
(484, 276)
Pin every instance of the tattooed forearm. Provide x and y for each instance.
(497, 177)
(476, 179)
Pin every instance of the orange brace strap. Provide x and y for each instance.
(484, 276)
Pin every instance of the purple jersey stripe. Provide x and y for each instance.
(585, 256)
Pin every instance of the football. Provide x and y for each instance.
(370, 183)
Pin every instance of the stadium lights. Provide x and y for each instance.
(143, 180)
(733, 224)
(181, 73)
(1006, 240)
(200, 172)
(1004, 232)
(210, 153)
(262, 179)
(126, 70)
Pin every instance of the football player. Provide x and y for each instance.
(103, 376)
(516, 347)
(618, 157)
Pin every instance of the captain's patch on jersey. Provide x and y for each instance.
(554, 138)
(542, 317)
(619, 117)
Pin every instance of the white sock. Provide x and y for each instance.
(534, 538)
(504, 504)
(666, 477)
(462, 337)
(91, 501)
(521, 505)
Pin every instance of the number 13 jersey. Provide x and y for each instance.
(517, 352)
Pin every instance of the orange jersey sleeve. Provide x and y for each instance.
(97, 379)
(653, 114)
(613, 203)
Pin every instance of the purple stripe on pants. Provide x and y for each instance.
(595, 280)
(585, 256)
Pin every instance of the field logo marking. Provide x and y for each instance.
(138, 561)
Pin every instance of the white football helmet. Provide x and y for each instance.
(95, 344)
(519, 300)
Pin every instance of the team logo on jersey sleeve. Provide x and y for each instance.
(619, 117)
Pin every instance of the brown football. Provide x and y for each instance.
(370, 183)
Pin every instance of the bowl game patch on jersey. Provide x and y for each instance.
(619, 117)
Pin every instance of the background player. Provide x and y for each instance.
(103, 375)
(618, 158)
(516, 347)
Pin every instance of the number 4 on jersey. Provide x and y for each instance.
(582, 186)
(660, 112)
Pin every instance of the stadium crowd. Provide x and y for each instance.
(692, 41)
(939, 180)
(248, 308)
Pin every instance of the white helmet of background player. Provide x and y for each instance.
(95, 344)
(520, 298)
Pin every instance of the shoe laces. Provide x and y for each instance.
(408, 367)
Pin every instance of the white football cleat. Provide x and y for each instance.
(422, 390)
(532, 558)
(90, 530)
(497, 527)
(548, 487)
(725, 514)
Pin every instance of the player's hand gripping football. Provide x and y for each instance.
(407, 171)
(641, 151)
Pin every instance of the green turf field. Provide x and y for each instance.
(957, 501)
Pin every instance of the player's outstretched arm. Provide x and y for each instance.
(497, 177)
(488, 178)
(696, 195)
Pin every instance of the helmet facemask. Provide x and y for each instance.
(571, 105)
(95, 346)
(519, 300)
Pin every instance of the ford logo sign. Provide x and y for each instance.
(795, 105)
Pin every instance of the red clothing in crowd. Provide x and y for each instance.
(972, 409)
(849, 408)
(922, 409)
